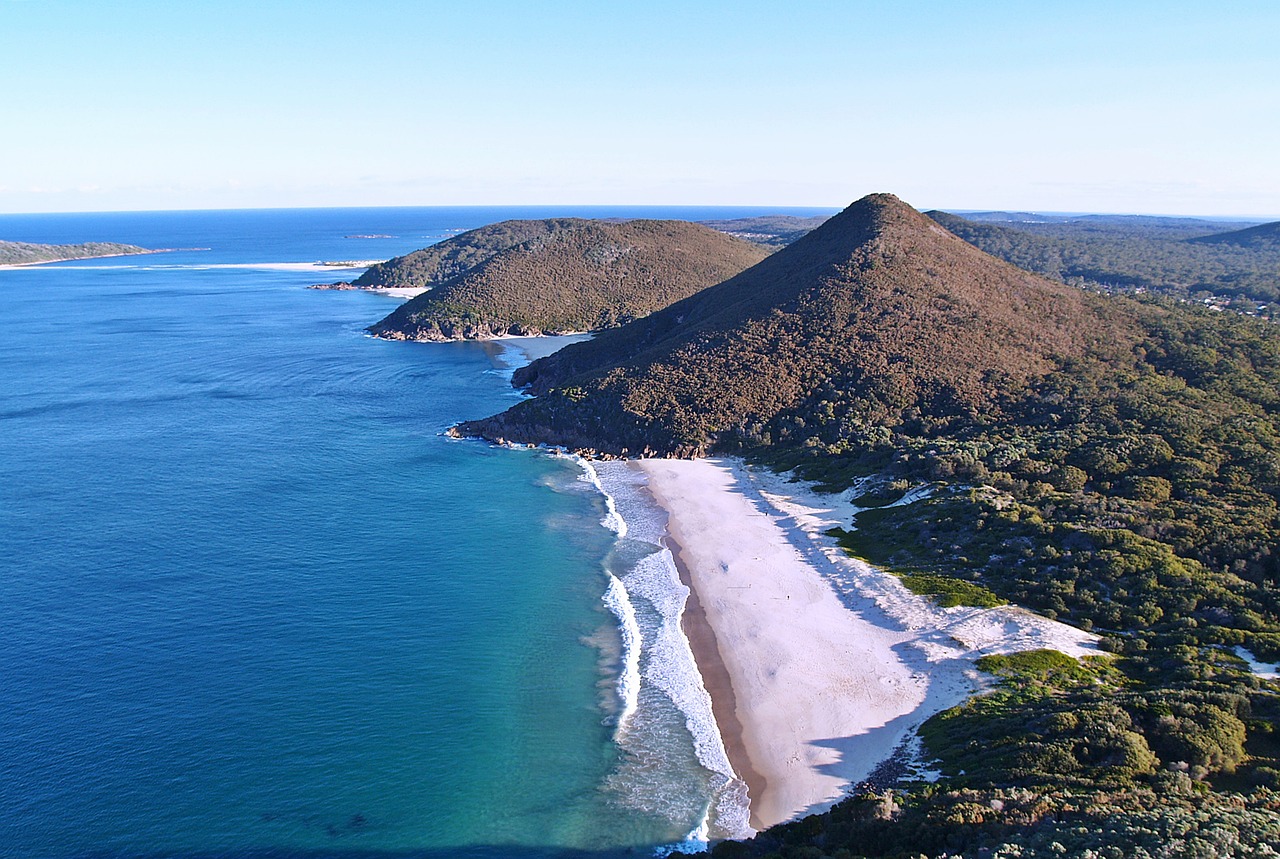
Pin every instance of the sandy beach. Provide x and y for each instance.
(819, 666)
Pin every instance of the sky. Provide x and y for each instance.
(1079, 106)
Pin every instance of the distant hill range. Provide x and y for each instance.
(1262, 236)
(27, 253)
(1173, 224)
(556, 275)
(773, 231)
(879, 300)
(1181, 257)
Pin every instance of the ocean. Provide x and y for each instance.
(256, 603)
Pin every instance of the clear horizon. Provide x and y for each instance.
(1165, 108)
(959, 210)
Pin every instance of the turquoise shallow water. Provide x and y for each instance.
(256, 604)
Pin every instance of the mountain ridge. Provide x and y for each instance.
(431, 266)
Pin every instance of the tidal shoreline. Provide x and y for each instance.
(715, 678)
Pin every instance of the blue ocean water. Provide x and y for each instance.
(255, 603)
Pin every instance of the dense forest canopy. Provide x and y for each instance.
(431, 266)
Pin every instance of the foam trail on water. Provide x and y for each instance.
(618, 601)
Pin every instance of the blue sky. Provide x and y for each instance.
(1159, 107)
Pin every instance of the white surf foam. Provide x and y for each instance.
(612, 520)
(697, 841)
(619, 602)
(671, 668)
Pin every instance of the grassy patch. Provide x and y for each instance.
(1046, 667)
(948, 592)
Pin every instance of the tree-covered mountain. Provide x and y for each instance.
(565, 275)
(1111, 253)
(1111, 462)
(26, 253)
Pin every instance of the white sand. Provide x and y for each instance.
(401, 291)
(827, 663)
(1264, 670)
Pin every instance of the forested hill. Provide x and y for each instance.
(879, 300)
(1265, 236)
(458, 254)
(571, 275)
(26, 253)
(1180, 257)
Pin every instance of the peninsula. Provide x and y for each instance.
(28, 253)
